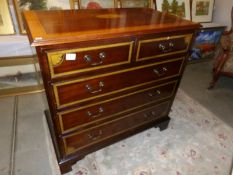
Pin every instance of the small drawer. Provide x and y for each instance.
(157, 47)
(89, 58)
(82, 90)
(79, 141)
(74, 119)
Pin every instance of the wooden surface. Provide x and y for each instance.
(105, 110)
(96, 100)
(70, 93)
(113, 128)
(56, 27)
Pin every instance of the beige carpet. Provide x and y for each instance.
(196, 143)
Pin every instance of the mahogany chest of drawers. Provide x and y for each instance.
(108, 74)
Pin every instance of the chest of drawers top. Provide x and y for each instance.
(66, 26)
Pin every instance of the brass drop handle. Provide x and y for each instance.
(97, 114)
(88, 59)
(157, 92)
(102, 55)
(92, 90)
(165, 49)
(150, 114)
(95, 136)
(171, 45)
(162, 47)
(160, 72)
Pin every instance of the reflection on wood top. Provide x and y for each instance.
(63, 26)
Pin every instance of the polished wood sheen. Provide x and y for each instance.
(108, 74)
(75, 91)
(102, 132)
(103, 110)
(156, 47)
(55, 27)
(90, 58)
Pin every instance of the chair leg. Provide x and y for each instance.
(211, 85)
(214, 80)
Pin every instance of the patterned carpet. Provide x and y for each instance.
(196, 142)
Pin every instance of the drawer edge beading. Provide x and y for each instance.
(68, 152)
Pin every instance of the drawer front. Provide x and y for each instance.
(73, 92)
(157, 47)
(78, 141)
(91, 58)
(74, 119)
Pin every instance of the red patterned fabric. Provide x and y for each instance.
(227, 44)
(228, 66)
(223, 64)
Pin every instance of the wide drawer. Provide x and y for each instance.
(80, 90)
(78, 141)
(76, 118)
(72, 61)
(157, 47)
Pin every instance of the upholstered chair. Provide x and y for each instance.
(223, 64)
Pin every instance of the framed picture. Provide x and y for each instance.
(6, 24)
(136, 3)
(21, 5)
(202, 10)
(97, 4)
(74, 4)
(177, 7)
(205, 43)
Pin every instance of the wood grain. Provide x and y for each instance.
(57, 27)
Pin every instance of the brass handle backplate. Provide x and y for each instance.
(95, 136)
(160, 72)
(88, 59)
(97, 114)
(150, 114)
(154, 93)
(92, 90)
(166, 48)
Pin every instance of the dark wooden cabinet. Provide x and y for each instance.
(108, 73)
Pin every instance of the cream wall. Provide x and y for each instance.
(222, 12)
(15, 45)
